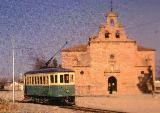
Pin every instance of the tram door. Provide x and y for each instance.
(112, 84)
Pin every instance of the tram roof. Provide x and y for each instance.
(48, 70)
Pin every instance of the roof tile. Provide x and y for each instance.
(77, 48)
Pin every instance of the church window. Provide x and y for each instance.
(111, 56)
(107, 34)
(111, 22)
(142, 72)
(112, 67)
(82, 72)
(117, 34)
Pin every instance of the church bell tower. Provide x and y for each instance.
(113, 30)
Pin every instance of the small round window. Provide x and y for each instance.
(82, 72)
(112, 56)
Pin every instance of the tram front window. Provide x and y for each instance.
(66, 78)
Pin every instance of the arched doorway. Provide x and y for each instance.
(112, 84)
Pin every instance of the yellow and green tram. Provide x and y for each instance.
(50, 85)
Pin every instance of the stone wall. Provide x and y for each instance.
(106, 57)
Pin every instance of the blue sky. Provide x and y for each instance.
(41, 27)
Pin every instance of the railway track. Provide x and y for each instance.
(90, 110)
(79, 108)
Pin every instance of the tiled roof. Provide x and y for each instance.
(48, 70)
(141, 48)
(77, 48)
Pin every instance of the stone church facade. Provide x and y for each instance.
(108, 59)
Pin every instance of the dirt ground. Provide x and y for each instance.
(9, 107)
(126, 103)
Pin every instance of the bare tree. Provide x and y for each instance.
(158, 70)
(146, 84)
(54, 63)
(3, 81)
(40, 63)
(19, 79)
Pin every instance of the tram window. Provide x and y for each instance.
(47, 80)
(55, 78)
(66, 78)
(30, 80)
(61, 78)
(71, 78)
(52, 78)
(35, 80)
(44, 80)
(26, 80)
(40, 80)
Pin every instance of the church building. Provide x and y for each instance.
(110, 62)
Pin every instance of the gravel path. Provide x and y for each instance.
(124, 103)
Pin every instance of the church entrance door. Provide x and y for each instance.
(112, 84)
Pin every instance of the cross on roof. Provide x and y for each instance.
(111, 5)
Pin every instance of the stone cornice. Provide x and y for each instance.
(115, 71)
(113, 41)
(82, 66)
(140, 66)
